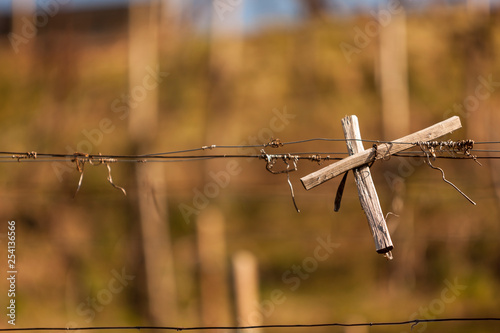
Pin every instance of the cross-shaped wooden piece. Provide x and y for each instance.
(358, 161)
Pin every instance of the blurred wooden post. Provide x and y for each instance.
(393, 74)
(171, 11)
(246, 285)
(151, 187)
(482, 6)
(494, 164)
(171, 28)
(23, 36)
(479, 60)
(22, 11)
(214, 284)
(479, 38)
(143, 54)
(224, 64)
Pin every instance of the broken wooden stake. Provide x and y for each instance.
(383, 150)
(366, 189)
(358, 161)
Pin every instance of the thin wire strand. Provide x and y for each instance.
(178, 155)
(189, 158)
(274, 143)
(110, 180)
(428, 161)
(206, 328)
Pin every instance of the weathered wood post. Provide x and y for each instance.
(212, 255)
(246, 286)
(366, 189)
(358, 162)
(151, 184)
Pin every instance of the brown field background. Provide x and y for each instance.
(225, 88)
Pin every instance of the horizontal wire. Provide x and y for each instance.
(191, 158)
(174, 155)
(181, 159)
(485, 151)
(486, 142)
(161, 156)
(199, 328)
(274, 143)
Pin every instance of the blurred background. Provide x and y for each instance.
(218, 242)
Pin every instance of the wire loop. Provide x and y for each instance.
(28, 155)
(429, 150)
(272, 158)
(274, 143)
(462, 146)
(81, 158)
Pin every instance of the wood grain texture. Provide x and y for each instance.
(366, 189)
(383, 150)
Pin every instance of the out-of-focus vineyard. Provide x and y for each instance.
(179, 247)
